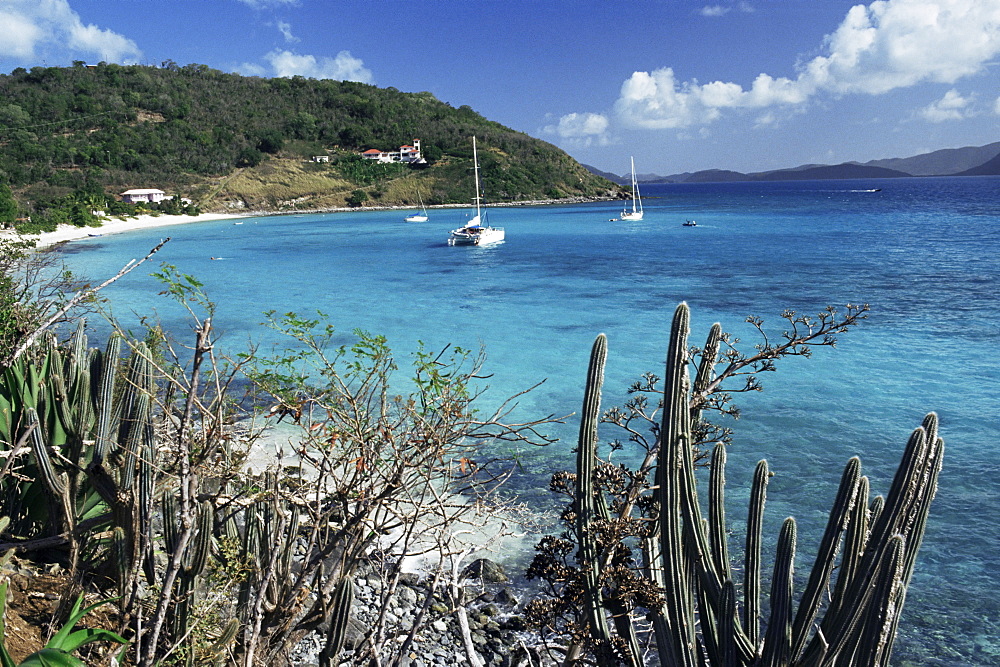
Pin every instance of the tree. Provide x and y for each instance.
(8, 207)
(357, 198)
(432, 154)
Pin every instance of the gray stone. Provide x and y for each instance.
(505, 596)
(485, 569)
(406, 596)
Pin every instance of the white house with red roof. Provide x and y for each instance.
(408, 154)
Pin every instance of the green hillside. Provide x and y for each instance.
(226, 141)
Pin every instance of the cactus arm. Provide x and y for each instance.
(146, 502)
(777, 642)
(728, 626)
(200, 546)
(854, 543)
(105, 394)
(340, 614)
(169, 504)
(717, 513)
(912, 546)
(819, 578)
(909, 496)
(752, 568)
(678, 648)
(586, 509)
(709, 356)
(875, 642)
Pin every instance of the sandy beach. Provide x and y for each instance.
(116, 225)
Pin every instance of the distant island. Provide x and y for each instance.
(968, 161)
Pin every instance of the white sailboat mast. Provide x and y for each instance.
(475, 161)
(635, 189)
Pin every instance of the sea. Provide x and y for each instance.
(924, 253)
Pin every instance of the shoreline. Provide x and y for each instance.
(66, 233)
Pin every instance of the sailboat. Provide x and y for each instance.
(636, 212)
(418, 217)
(474, 232)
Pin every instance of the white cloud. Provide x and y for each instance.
(19, 35)
(344, 67)
(251, 69)
(264, 4)
(286, 30)
(581, 129)
(28, 26)
(582, 124)
(950, 107)
(886, 45)
(713, 11)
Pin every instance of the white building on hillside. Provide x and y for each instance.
(144, 195)
(408, 154)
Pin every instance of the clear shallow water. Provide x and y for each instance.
(923, 252)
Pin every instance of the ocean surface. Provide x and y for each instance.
(924, 253)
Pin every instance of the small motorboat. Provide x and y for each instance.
(690, 223)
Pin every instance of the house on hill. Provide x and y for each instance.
(143, 195)
(407, 154)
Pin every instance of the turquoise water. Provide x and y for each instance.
(923, 252)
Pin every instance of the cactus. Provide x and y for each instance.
(586, 510)
(194, 561)
(871, 546)
(340, 614)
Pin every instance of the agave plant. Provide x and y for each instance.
(58, 652)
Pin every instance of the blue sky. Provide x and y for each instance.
(748, 85)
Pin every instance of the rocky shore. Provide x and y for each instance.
(498, 634)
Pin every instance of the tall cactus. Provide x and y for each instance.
(870, 546)
(586, 510)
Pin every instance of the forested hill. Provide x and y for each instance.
(228, 141)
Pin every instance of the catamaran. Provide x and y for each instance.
(475, 232)
(636, 212)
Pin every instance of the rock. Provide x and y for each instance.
(515, 623)
(406, 596)
(409, 579)
(485, 569)
(505, 596)
(355, 633)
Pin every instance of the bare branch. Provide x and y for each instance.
(30, 338)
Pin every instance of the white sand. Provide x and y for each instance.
(116, 225)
